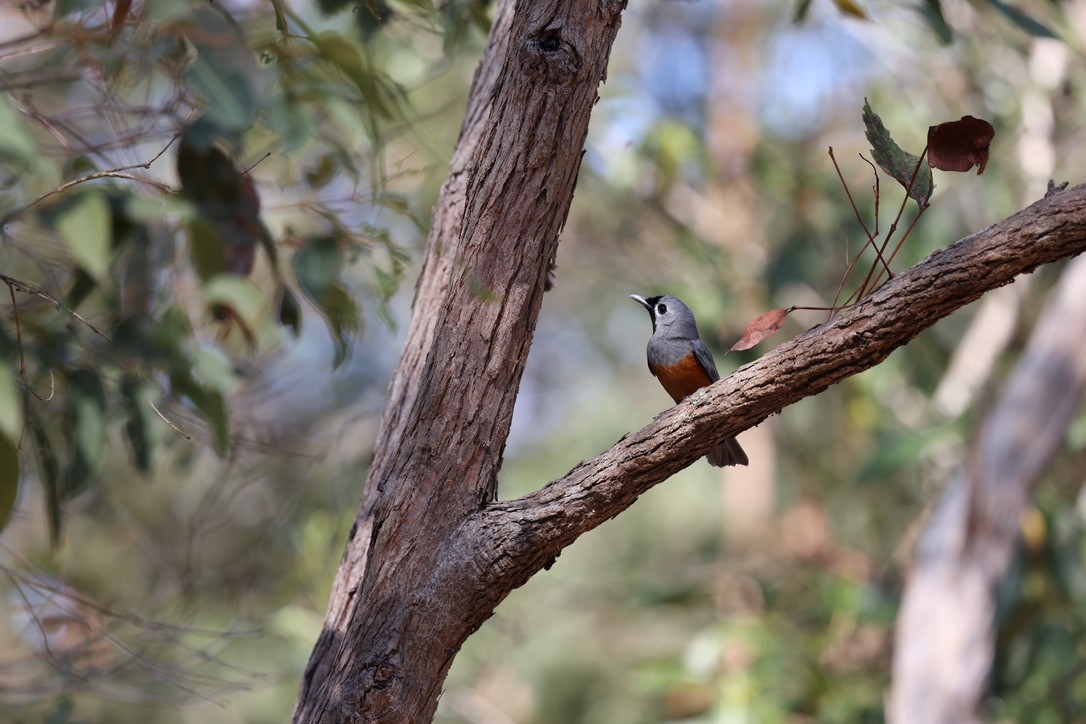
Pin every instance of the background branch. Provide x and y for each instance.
(945, 634)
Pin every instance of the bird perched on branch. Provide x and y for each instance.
(682, 362)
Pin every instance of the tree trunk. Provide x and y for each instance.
(431, 553)
(405, 597)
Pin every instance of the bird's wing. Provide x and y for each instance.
(705, 359)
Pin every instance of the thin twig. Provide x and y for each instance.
(109, 173)
(872, 279)
(22, 356)
(870, 237)
(256, 163)
(35, 290)
(167, 421)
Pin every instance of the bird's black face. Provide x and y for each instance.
(654, 305)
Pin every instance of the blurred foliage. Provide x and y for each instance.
(202, 206)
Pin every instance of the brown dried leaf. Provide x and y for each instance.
(960, 145)
(761, 328)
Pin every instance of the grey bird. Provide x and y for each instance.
(682, 362)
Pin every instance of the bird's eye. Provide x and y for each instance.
(661, 309)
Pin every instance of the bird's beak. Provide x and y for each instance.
(642, 301)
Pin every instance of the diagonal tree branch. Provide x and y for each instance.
(519, 537)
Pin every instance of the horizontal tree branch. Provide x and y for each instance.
(514, 539)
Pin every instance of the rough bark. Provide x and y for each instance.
(404, 598)
(431, 553)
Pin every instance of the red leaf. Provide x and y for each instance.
(960, 145)
(762, 327)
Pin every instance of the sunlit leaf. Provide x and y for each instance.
(240, 294)
(16, 143)
(901, 165)
(87, 228)
(11, 401)
(148, 209)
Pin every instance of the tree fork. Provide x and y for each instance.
(404, 599)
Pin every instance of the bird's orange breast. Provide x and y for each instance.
(683, 378)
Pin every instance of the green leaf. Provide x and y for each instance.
(206, 250)
(9, 478)
(225, 72)
(48, 473)
(316, 267)
(87, 228)
(932, 10)
(87, 403)
(896, 162)
(240, 294)
(228, 94)
(16, 143)
(323, 173)
(346, 56)
(1023, 20)
(11, 402)
(139, 428)
(290, 121)
(146, 209)
(213, 372)
(210, 403)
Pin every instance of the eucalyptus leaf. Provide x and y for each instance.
(11, 401)
(87, 228)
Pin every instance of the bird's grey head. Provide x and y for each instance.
(670, 317)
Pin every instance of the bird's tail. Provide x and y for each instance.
(727, 453)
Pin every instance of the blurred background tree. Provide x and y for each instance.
(171, 371)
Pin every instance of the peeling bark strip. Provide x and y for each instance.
(432, 554)
(404, 600)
